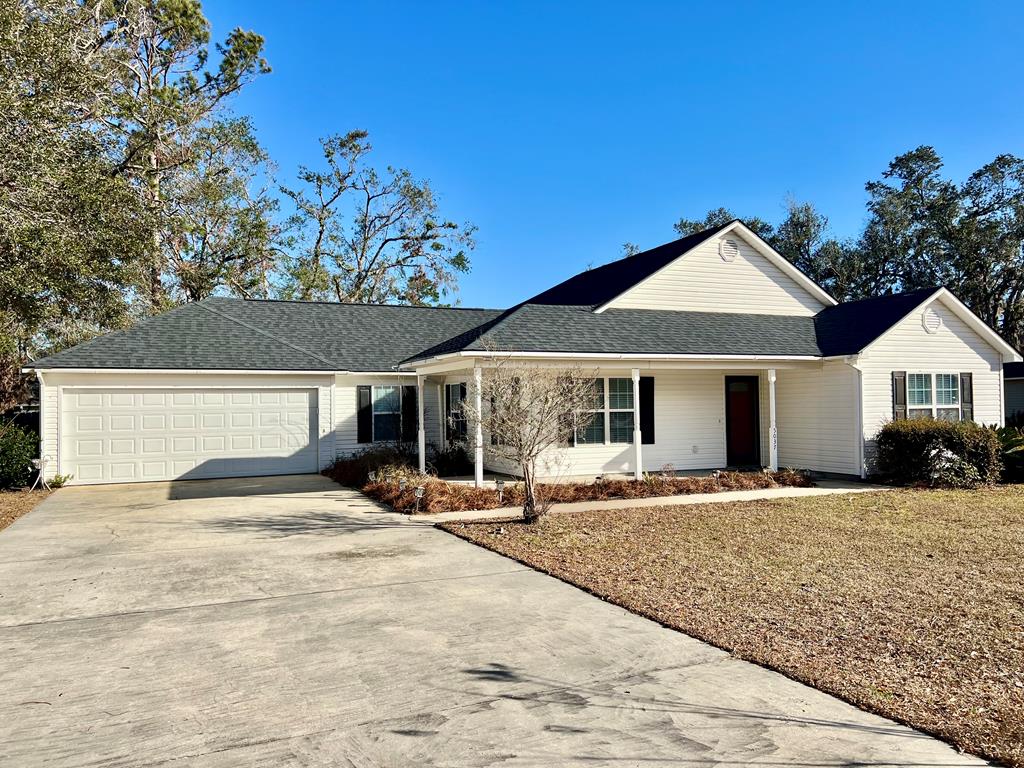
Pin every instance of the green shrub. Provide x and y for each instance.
(938, 453)
(17, 449)
(1011, 440)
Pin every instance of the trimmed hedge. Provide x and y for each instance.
(938, 453)
(17, 449)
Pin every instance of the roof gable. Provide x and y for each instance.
(847, 328)
(854, 327)
(751, 277)
(596, 287)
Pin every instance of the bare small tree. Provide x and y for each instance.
(531, 414)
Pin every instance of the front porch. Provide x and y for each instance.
(673, 416)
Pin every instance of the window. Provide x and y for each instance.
(612, 413)
(387, 414)
(455, 416)
(620, 406)
(593, 431)
(933, 396)
(919, 395)
(947, 396)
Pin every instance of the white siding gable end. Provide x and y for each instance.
(732, 272)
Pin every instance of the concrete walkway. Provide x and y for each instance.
(823, 488)
(288, 622)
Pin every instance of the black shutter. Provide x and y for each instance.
(899, 394)
(967, 396)
(410, 422)
(364, 415)
(646, 410)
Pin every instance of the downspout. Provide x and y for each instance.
(854, 363)
(1002, 390)
(43, 452)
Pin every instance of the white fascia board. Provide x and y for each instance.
(618, 356)
(961, 310)
(758, 245)
(189, 371)
(380, 373)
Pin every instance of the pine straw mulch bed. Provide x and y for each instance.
(909, 604)
(14, 504)
(441, 496)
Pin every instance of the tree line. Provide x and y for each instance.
(129, 185)
(921, 230)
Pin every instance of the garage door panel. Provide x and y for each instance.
(122, 422)
(122, 447)
(154, 422)
(88, 423)
(126, 436)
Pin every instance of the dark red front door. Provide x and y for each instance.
(742, 429)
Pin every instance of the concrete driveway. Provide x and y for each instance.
(288, 622)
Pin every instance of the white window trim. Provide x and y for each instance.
(935, 406)
(607, 410)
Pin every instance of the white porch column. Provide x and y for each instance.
(478, 456)
(421, 442)
(638, 462)
(773, 433)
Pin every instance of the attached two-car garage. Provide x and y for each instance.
(125, 435)
(139, 427)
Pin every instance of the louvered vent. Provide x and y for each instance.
(931, 320)
(728, 250)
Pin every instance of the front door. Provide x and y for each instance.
(742, 421)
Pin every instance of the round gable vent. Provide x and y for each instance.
(728, 250)
(931, 320)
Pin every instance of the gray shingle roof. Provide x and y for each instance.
(847, 328)
(550, 328)
(235, 334)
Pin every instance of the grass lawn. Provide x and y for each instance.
(907, 603)
(14, 504)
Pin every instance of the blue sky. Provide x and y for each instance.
(563, 130)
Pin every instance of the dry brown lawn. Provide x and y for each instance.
(14, 504)
(907, 603)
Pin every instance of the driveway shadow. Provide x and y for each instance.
(305, 523)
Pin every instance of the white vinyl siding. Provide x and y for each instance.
(702, 282)
(689, 413)
(346, 408)
(954, 348)
(816, 417)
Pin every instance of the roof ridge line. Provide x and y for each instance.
(269, 335)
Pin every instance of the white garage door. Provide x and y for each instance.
(128, 435)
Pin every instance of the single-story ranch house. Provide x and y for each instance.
(710, 351)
